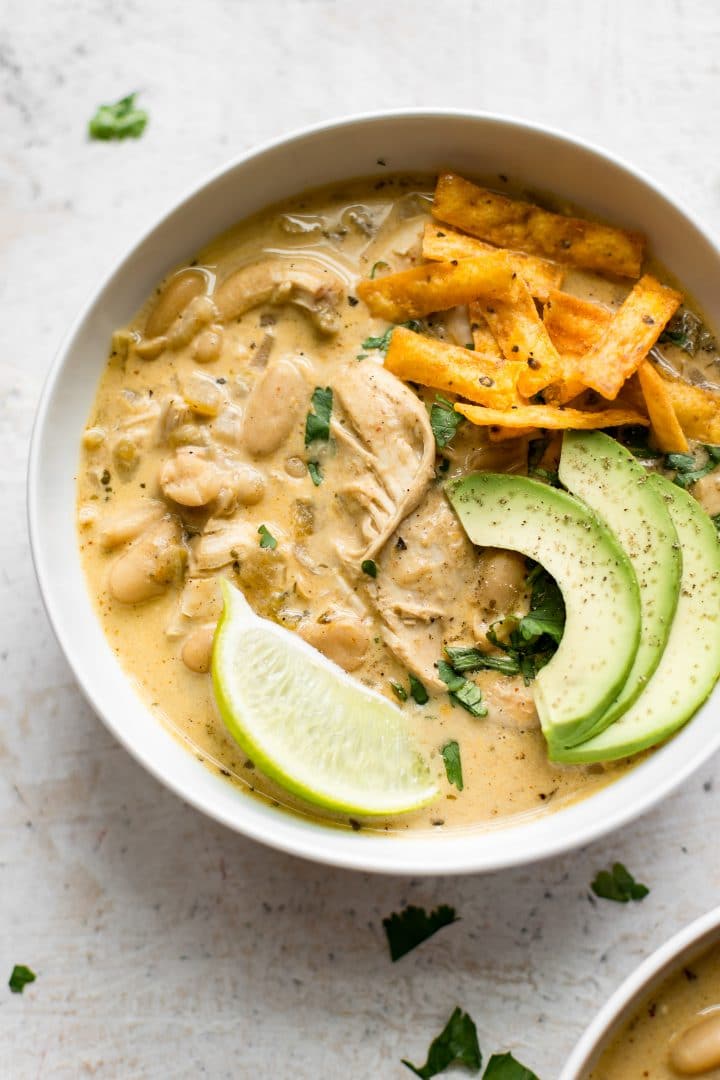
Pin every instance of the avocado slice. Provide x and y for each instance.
(595, 577)
(601, 472)
(690, 664)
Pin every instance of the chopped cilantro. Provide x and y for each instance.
(687, 470)
(417, 691)
(21, 976)
(369, 567)
(462, 690)
(679, 338)
(315, 475)
(618, 884)
(453, 764)
(118, 121)
(468, 658)
(457, 1044)
(382, 341)
(444, 421)
(534, 638)
(505, 1067)
(378, 266)
(317, 423)
(399, 690)
(407, 929)
(267, 540)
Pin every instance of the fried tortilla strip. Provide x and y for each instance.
(540, 275)
(574, 325)
(663, 422)
(547, 416)
(628, 337)
(522, 226)
(411, 294)
(523, 340)
(483, 337)
(502, 434)
(455, 370)
(697, 410)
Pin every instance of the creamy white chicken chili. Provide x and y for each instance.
(196, 465)
(675, 1032)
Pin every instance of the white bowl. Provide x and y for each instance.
(679, 951)
(412, 141)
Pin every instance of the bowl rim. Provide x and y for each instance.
(659, 963)
(357, 854)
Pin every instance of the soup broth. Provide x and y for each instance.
(649, 1044)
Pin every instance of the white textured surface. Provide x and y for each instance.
(165, 945)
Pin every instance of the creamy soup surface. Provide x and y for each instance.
(675, 1032)
(197, 439)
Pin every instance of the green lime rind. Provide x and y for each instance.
(308, 725)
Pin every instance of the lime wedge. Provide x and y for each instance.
(309, 726)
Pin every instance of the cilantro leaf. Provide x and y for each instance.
(547, 610)
(619, 885)
(417, 691)
(382, 341)
(315, 475)
(462, 690)
(679, 338)
(505, 1067)
(444, 421)
(457, 1044)
(407, 929)
(267, 540)
(118, 121)
(20, 977)
(453, 764)
(369, 567)
(399, 690)
(317, 423)
(687, 469)
(468, 658)
(534, 638)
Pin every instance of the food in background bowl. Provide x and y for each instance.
(664, 1021)
(674, 1032)
(352, 412)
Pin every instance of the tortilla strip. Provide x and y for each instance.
(522, 226)
(438, 286)
(663, 422)
(519, 331)
(547, 416)
(455, 370)
(502, 434)
(628, 337)
(444, 243)
(697, 410)
(483, 337)
(574, 325)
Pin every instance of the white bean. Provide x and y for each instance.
(149, 565)
(697, 1049)
(173, 299)
(196, 652)
(273, 406)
